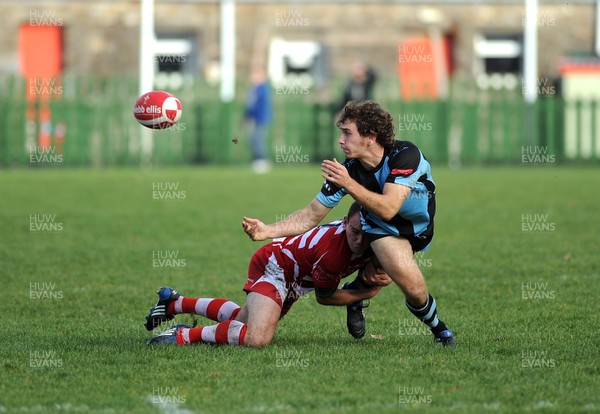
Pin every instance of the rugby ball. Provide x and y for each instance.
(157, 110)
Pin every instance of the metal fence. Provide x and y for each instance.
(91, 124)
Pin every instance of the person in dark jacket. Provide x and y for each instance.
(360, 86)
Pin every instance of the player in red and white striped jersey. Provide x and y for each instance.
(278, 275)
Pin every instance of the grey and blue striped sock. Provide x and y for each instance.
(428, 315)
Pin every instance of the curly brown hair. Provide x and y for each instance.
(370, 119)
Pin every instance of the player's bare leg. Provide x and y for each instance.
(252, 325)
(396, 257)
(261, 315)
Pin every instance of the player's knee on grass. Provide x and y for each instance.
(262, 314)
(257, 339)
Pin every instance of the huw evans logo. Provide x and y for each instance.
(290, 18)
(44, 359)
(167, 396)
(44, 290)
(44, 17)
(44, 222)
(45, 86)
(290, 358)
(536, 290)
(537, 223)
(167, 259)
(293, 86)
(44, 155)
(414, 54)
(413, 123)
(412, 327)
(290, 154)
(536, 155)
(413, 395)
(543, 86)
(167, 190)
(543, 20)
(536, 359)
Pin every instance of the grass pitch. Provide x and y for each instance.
(514, 267)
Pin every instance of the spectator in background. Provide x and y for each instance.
(258, 118)
(360, 85)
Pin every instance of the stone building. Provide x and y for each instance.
(102, 37)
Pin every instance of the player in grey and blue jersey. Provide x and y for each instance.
(392, 182)
(402, 164)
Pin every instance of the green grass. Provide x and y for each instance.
(100, 265)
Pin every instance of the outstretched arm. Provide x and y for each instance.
(294, 224)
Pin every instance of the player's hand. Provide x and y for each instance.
(255, 229)
(374, 275)
(335, 173)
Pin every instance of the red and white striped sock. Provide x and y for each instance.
(216, 309)
(230, 332)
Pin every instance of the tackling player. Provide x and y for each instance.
(278, 275)
(392, 181)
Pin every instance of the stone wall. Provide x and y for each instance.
(103, 37)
